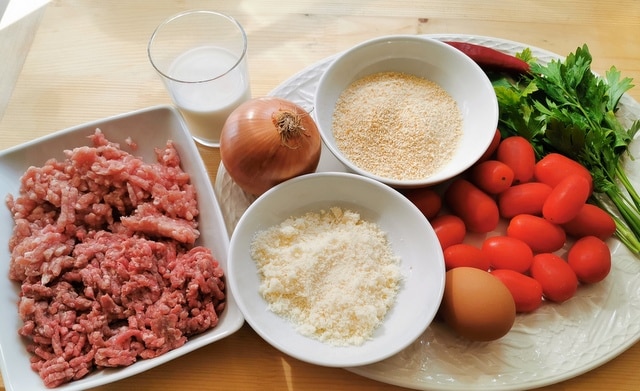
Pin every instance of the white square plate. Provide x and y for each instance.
(149, 128)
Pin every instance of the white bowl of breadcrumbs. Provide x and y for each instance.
(406, 110)
(336, 269)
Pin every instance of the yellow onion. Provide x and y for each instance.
(266, 141)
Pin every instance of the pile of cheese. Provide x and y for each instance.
(331, 273)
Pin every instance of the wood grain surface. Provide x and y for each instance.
(88, 61)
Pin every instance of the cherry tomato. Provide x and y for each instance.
(493, 146)
(591, 221)
(566, 199)
(539, 233)
(426, 199)
(559, 281)
(449, 229)
(462, 254)
(554, 167)
(517, 153)
(523, 198)
(590, 259)
(505, 252)
(478, 211)
(491, 176)
(526, 291)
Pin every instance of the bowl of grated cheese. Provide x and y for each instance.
(407, 110)
(336, 269)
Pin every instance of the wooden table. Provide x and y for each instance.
(88, 61)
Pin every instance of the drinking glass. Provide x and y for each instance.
(201, 57)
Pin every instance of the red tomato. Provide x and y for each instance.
(523, 198)
(505, 252)
(590, 259)
(554, 167)
(491, 176)
(478, 211)
(493, 146)
(559, 281)
(566, 199)
(540, 234)
(450, 230)
(517, 153)
(591, 221)
(426, 199)
(462, 254)
(526, 291)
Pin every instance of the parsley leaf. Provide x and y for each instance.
(564, 107)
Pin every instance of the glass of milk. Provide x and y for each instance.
(202, 59)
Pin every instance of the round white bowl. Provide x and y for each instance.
(410, 235)
(454, 71)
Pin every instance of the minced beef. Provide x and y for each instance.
(104, 250)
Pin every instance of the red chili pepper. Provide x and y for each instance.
(491, 59)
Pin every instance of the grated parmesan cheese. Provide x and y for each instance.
(331, 273)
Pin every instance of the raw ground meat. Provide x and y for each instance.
(103, 248)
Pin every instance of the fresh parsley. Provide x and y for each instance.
(564, 107)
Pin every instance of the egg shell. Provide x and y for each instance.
(477, 305)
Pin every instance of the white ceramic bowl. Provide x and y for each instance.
(149, 128)
(410, 235)
(424, 57)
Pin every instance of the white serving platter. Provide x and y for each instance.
(553, 344)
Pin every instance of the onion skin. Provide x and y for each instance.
(268, 140)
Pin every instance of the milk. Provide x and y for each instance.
(205, 94)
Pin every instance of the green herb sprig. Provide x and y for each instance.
(564, 107)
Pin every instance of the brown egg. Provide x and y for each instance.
(477, 305)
